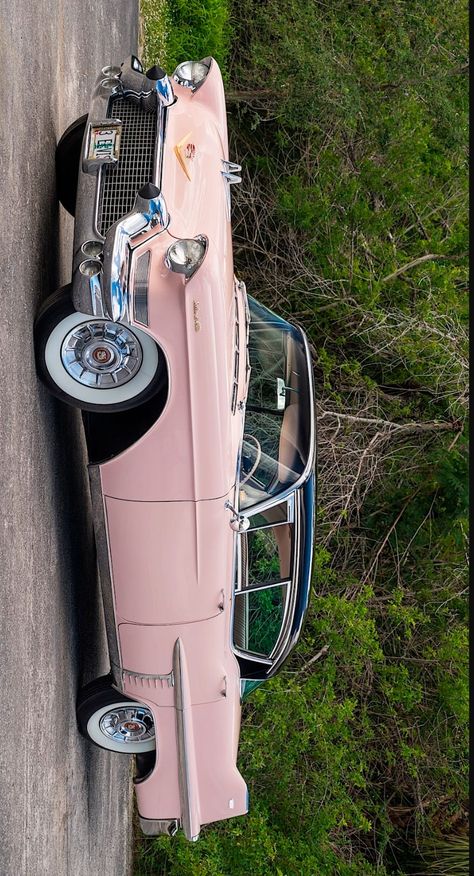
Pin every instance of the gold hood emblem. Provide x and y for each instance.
(185, 152)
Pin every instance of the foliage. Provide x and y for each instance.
(179, 30)
(350, 119)
(450, 855)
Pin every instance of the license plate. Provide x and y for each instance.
(104, 143)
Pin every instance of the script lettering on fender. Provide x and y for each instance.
(197, 324)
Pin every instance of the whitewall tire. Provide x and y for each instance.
(93, 363)
(122, 726)
(111, 720)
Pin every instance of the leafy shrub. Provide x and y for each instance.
(180, 30)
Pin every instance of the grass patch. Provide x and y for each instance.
(178, 30)
(154, 29)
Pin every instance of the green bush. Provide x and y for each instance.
(179, 30)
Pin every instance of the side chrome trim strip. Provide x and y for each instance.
(103, 562)
(140, 288)
(186, 763)
(149, 680)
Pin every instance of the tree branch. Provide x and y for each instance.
(431, 256)
(322, 653)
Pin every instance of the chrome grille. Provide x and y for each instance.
(121, 182)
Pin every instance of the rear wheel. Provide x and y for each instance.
(113, 721)
(68, 157)
(92, 363)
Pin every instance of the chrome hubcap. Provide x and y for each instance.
(101, 354)
(129, 724)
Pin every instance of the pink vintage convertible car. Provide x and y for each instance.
(198, 412)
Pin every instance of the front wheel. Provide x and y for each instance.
(93, 363)
(113, 721)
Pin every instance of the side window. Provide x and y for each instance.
(258, 618)
(264, 582)
(281, 513)
(266, 555)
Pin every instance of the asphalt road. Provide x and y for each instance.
(65, 806)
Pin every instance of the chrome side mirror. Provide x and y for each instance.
(238, 522)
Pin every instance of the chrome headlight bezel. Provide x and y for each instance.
(192, 74)
(185, 256)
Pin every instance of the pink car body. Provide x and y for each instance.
(171, 507)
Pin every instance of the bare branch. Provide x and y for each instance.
(429, 257)
(321, 653)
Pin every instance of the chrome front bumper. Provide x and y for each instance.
(107, 292)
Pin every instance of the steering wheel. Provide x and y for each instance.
(258, 456)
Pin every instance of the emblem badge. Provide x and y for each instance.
(185, 151)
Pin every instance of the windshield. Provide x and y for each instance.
(277, 433)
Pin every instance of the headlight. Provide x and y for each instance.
(187, 255)
(192, 74)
